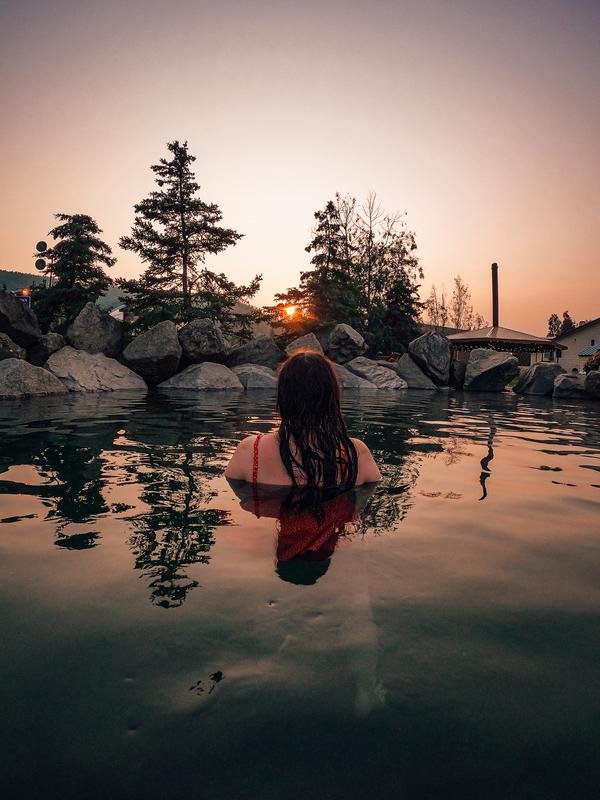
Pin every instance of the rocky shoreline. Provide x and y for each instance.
(91, 357)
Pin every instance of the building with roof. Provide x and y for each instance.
(527, 347)
(579, 345)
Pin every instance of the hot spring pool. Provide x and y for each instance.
(160, 640)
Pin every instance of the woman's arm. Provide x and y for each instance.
(240, 464)
(368, 471)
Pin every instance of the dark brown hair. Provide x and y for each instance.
(314, 445)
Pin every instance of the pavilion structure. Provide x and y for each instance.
(503, 339)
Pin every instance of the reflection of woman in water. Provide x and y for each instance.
(310, 523)
(312, 447)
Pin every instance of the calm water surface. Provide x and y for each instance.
(439, 639)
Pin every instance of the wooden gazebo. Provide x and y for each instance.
(503, 339)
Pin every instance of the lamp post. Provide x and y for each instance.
(40, 263)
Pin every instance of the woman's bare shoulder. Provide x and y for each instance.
(368, 471)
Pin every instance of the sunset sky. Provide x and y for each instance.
(480, 120)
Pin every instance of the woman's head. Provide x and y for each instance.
(313, 441)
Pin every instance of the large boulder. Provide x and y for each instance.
(382, 377)
(18, 378)
(202, 340)
(39, 352)
(81, 371)
(261, 350)
(489, 370)
(348, 380)
(9, 349)
(255, 376)
(410, 371)
(592, 384)
(306, 342)
(95, 331)
(18, 320)
(432, 353)
(205, 377)
(344, 344)
(538, 378)
(154, 354)
(569, 385)
(457, 373)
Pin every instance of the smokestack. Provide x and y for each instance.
(495, 294)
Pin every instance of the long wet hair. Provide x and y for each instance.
(314, 445)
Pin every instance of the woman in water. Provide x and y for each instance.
(312, 448)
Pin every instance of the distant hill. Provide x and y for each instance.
(13, 280)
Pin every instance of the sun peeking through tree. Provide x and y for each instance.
(363, 272)
(173, 233)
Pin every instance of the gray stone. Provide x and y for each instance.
(18, 321)
(95, 331)
(8, 348)
(489, 370)
(592, 384)
(81, 371)
(39, 352)
(407, 369)
(382, 377)
(569, 385)
(348, 380)
(255, 376)
(538, 378)
(202, 340)
(307, 342)
(18, 378)
(344, 344)
(154, 354)
(261, 350)
(457, 373)
(205, 377)
(432, 353)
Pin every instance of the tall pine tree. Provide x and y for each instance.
(75, 266)
(173, 233)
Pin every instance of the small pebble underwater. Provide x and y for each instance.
(167, 634)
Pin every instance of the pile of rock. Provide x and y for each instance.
(91, 358)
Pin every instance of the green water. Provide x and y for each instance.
(444, 643)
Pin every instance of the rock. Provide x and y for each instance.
(18, 321)
(407, 369)
(81, 371)
(8, 348)
(569, 385)
(538, 378)
(382, 377)
(255, 376)
(489, 370)
(202, 340)
(95, 331)
(348, 380)
(39, 352)
(154, 354)
(457, 373)
(432, 353)
(307, 342)
(344, 344)
(261, 350)
(592, 384)
(205, 377)
(18, 378)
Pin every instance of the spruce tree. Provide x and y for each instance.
(173, 233)
(75, 270)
